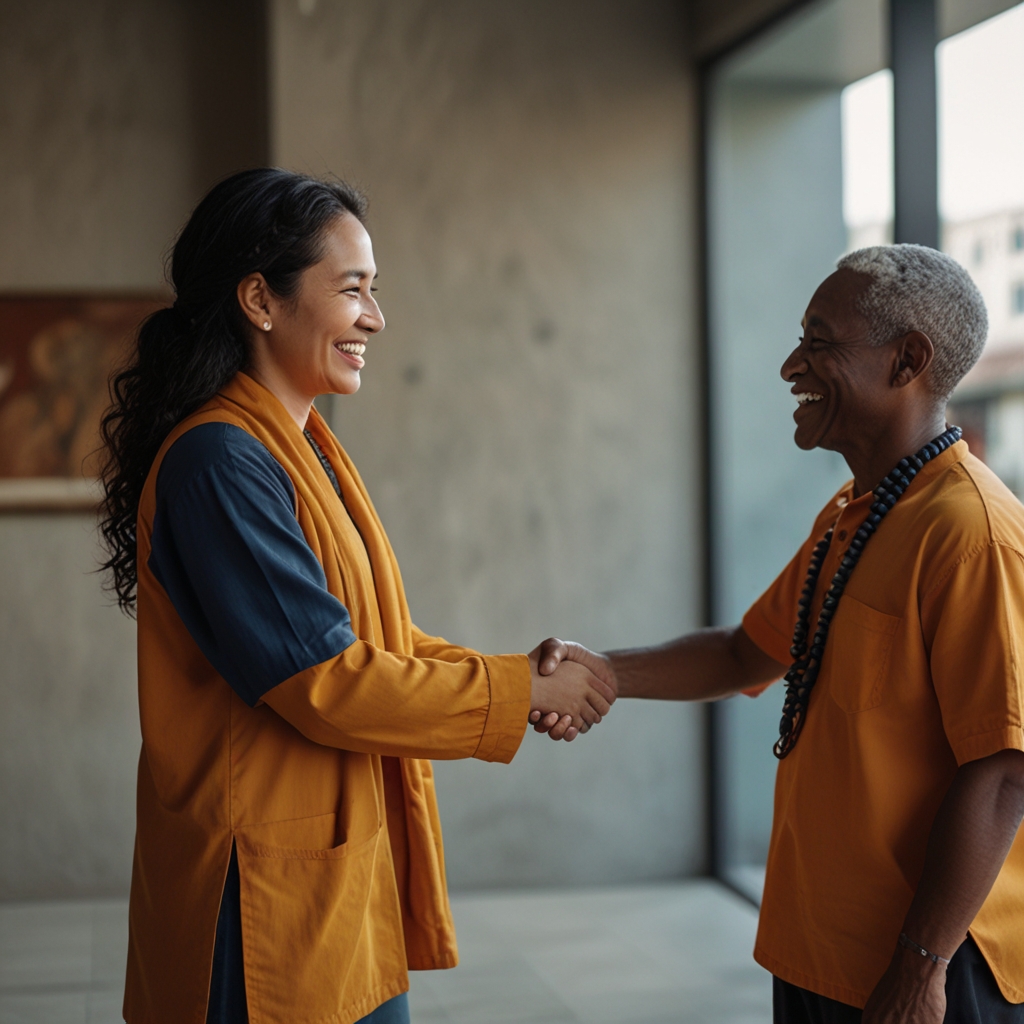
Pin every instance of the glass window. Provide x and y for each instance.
(797, 171)
(868, 160)
(981, 190)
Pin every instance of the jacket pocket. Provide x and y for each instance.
(321, 931)
(320, 837)
(857, 655)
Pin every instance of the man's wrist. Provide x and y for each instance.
(619, 671)
(912, 965)
(909, 944)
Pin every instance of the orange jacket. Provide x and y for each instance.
(320, 785)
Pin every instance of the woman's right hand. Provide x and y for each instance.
(567, 700)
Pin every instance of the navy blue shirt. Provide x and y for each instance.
(228, 550)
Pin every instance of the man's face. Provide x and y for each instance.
(842, 382)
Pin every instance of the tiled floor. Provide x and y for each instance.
(667, 954)
(62, 963)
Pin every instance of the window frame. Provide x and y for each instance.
(914, 36)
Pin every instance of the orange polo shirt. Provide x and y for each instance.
(923, 671)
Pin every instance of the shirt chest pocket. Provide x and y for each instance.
(857, 655)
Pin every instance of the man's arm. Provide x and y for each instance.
(970, 838)
(704, 665)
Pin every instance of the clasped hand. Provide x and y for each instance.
(572, 689)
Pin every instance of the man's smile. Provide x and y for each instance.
(807, 397)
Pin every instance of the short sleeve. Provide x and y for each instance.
(973, 624)
(229, 552)
(770, 619)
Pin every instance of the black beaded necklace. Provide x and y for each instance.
(325, 462)
(803, 673)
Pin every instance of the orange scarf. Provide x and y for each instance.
(320, 786)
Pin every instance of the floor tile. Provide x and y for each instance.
(43, 1008)
(502, 992)
(677, 953)
(45, 944)
(109, 943)
(104, 1007)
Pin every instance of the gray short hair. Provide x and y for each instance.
(914, 288)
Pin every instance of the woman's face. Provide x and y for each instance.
(316, 341)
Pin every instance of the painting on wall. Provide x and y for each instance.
(57, 353)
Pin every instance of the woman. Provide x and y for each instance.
(288, 862)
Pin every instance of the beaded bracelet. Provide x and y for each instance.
(915, 948)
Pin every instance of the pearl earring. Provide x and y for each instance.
(266, 325)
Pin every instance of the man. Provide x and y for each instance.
(895, 885)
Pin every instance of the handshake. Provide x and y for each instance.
(572, 689)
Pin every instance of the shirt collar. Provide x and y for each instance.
(944, 460)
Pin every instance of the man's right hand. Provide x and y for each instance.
(706, 664)
(567, 698)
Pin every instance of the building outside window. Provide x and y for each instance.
(982, 200)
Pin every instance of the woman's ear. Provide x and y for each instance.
(915, 352)
(253, 295)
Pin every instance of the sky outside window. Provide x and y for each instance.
(868, 160)
(981, 165)
(981, 132)
(981, 201)
(981, 118)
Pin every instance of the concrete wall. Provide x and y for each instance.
(114, 118)
(69, 732)
(528, 422)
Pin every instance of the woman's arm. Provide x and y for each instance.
(227, 549)
(374, 701)
(426, 646)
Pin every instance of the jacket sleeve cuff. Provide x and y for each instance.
(509, 709)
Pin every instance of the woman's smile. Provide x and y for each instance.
(351, 352)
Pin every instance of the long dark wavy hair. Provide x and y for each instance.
(265, 221)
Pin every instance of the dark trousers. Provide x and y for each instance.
(972, 997)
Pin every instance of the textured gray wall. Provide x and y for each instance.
(113, 124)
(69, 731)
(527, 424)
(116, 116)
(95, 178)
(96, 163)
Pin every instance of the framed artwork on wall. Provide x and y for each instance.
(57, 353)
